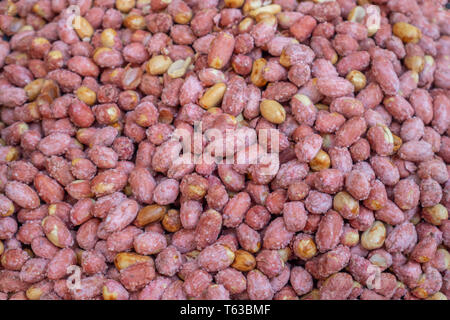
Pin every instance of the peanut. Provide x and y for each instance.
(272, 111)
(257, 72)
(158, 65)
(150, 214)
(244, 261)
(83, 28)
(320, 162)
(373, 238)
(358, 79)
(125, 259)
(213, 96)
(407, 32)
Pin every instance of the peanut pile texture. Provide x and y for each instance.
(318, 149)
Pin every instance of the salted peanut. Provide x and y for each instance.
(435, 214)
(320, 162)
(124, 260)
(86, 95)
(427, 284)
(304, 246)
(271, 9)
(82, 27)
(158, 65)
(179, 68)
(272, 111)
(373, 238)
(213, 96)
(215, 257)
(256, 76)
(221, 50)
(303, 28)
(329, 231)
(346, 205)
(108, 182)
(357, 78)
(22, 195)
(407, 32)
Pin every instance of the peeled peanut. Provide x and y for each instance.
(125, 259)
(34, 292)
(357, 78)
(171, 221)
(234, 3)
(373, 238)
(108, 295)
(33, 88)
(83, 28)
(243, 261)
(150, 214)
(272, 9)
(125, 5)
(107, 37)
(320, 162)
(86, 95)
(345, 204)
(397, 142)
(134, 22)
(158, 65)
(357, 14)
(351, 238)
(285, 253)
(257, 72)
(437, 296)
(250, 5)
(272, 111)
(183, 17)
(407, 32)
(245, 24)
(178, 68)
(313, 295)
(213, 96)
(305, 249)
(414, 63)
(435, 214)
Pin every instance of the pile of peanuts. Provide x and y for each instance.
(92, 206)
